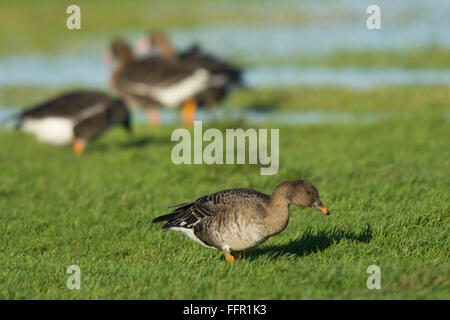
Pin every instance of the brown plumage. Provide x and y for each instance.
(229, 76)
(155, 81)
(239, 219)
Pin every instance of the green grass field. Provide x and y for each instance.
(385, 183)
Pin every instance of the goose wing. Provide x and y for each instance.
(196, 57)
(68, 105)
(91, 126)
(156, 72)
(166, 82)
(187, 215)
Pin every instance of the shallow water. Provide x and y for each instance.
(53, 70)
(87, 70)
(322, 28)
(244, 115)
(347, 77)
(261, 117)
(327, 28)
(7, 120)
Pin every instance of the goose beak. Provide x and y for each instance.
(318, 205)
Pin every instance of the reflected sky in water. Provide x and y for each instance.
(247, 115)
(87, 70)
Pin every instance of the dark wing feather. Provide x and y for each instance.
(181, 204)
(93, 126)
(67, 105)
(196, 58)
(156, 72)
(227, 75)
(187, 215)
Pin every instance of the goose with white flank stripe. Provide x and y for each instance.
(228, 77)
(155, 81)
(74, 117)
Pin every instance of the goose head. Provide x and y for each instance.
(158, 40)
(120, 51)
(304, 193)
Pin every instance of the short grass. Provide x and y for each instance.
(405, 99)
(385, 183)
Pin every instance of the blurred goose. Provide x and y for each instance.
(155, 81)
(227, 76)
(75, 117)
(239, 219)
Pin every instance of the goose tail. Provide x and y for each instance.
(165, 217)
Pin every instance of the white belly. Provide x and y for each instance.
(176, 94)
(53, 130)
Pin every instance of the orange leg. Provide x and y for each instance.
(188, 112)
(238, 255)
(229, 258)
(78, 146)
(154, 117)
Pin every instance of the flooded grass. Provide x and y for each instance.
(336, 99)
(432, 57)
(253, 32)
(253, 117)
(319, 99)
(88, 70)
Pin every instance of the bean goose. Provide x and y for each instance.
(154, 81)
(239, 219)
(75, 117)
(227, 76)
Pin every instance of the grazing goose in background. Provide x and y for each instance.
(155, 81)
(75, 117)
(239, 219)
(228, 76)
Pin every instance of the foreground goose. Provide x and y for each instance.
(75, 117)
(153, 82)
(227, 76)
(239, 219)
